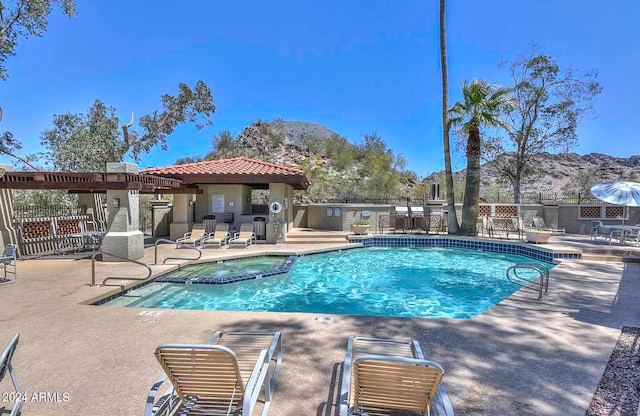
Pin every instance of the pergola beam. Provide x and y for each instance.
(89, 182)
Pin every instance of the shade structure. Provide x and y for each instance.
(622, 193)
(626, 194)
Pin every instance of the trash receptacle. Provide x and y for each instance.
(209, 222)
(260, 228)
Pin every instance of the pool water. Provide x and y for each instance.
(395, 282)
(226, 269)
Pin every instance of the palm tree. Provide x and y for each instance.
(451, 202)
(481, 107)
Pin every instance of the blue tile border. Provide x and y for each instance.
(286, 266)
(226, 280)
(526, 250)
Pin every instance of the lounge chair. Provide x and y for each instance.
(8, 260)
(538, 223)
(218, 238)
(193, 237)
(385, 375)
(226, 376)
(6, 367)
(245, 237)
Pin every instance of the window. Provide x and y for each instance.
(217, 202)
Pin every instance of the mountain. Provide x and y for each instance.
(283, 142)
(338, 167)
(563, 172)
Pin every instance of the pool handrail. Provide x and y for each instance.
(93, 269)
(166, 240)
(543, 272)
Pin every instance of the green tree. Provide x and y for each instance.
(340, 152)
(224, 144)
(453, 227)
(481, 107)
(549, 102)
(24, 19)
(83, 142)
(189, 159)
(86, 142)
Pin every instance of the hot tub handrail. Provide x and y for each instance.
(166, 240)
(543, 273)
(93, 269)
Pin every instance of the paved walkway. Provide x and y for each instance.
(521, 357)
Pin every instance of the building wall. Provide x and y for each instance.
(318, 215)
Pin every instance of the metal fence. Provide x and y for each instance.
(536, 198)
(46, 211)
(145, 219)
(498, 198)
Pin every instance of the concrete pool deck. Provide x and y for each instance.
(521, 357)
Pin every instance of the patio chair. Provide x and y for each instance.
(8, 260)
(538, 223)
(218, 238)
(402, 219)
(6, 367)
(226, 376)
(381, 376)
(193, 237)
(245, 237)
(597, 229)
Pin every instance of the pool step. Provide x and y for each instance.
(619, 254)
(611, 257)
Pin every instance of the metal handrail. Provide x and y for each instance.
(166, 240)
(93, 269)
(543, 272)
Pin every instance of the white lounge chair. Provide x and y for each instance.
(226, 376)
(193, 237)
(245, 237)
(8, 261)
(6, 367)
(383, 375)
(539, 224)
(218, 238)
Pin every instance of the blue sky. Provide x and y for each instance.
(356, 66)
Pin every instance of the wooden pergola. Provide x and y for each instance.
(96, 182)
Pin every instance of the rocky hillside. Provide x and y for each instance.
(310, 146)
(567, 172)
(283, 142)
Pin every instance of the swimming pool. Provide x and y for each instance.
(398, 282)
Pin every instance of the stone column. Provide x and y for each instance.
(276, 227)
(8, 232)
(182, 216)
(123, 238)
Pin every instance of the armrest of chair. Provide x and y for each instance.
(346, 381)
(151, 407)
(442, 402)
(257, 382)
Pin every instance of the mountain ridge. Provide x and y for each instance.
(305, 145)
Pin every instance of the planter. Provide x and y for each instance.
(360, 229)
(537, 236)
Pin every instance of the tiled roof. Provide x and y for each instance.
(238, 168)
(234, 166)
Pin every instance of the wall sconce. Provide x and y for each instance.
(115, 203)
(191, 202)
